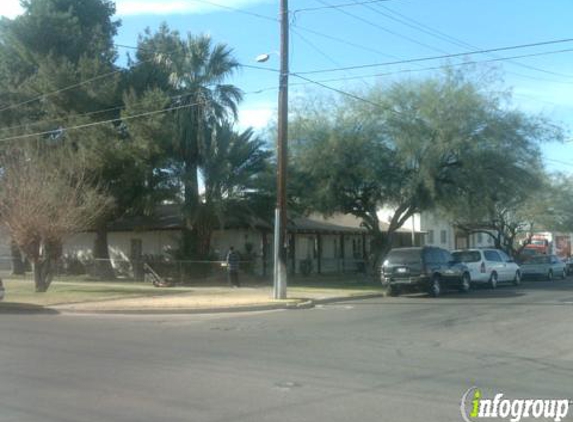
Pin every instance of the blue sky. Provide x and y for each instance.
(378, 32)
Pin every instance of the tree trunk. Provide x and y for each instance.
(102, 263)
(43, 274)
(190, 238)
(18, 267)
(379, 248)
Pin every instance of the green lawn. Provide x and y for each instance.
(75, 290)
(60, 292)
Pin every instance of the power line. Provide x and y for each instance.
(237, 10)
(447, 56)
(468, 63)
(322, 53)
(101, 122)
(346, 94)
(448, 38)
(106, 75)
(114, 120)
(337, 6)
(380, 27)
(58, 91)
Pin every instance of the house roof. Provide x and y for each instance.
(170, 217)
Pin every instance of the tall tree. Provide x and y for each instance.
(233, 164)
(53, 45)
(196, 72)
(408, 147)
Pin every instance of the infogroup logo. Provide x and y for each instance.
(474, 407)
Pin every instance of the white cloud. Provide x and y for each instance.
(257, 118)
(172, 7)
(10, 8)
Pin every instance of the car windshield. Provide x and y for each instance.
(466, 256)
(404, 256)
(542, 259)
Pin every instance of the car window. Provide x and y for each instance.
(540, 259)
(466, 256)
(404, 256)
(433, 256)
(492, 256)
(504, 256)
(446, 256)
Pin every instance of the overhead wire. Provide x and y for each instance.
(326, 56)
(466, 63)
(448, 56)
(113, 120)
(405, 20)
(382, 28)
(337, 6)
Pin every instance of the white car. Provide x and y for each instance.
(489, 266)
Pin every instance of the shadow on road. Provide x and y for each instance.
(24, 308)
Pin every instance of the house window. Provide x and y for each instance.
(430, 236)
(443, 236)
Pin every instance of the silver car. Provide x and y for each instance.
(544, 266)
(489, 266)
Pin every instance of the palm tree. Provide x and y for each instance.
(232, 163)
(198, 73)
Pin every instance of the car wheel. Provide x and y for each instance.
(394, 291)
(517, 279)
(466, 283)
(435, 286)
(493, 280)
(550, 275)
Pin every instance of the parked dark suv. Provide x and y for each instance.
(427, 269)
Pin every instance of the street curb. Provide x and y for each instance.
(190, 311)
(302, 304)
(347, 298)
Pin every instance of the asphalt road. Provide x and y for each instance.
(388, 359)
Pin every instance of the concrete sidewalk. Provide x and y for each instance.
(217, 299)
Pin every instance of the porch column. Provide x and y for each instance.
(292, 247)
(319, 253)
(342, 253)
(265, 254)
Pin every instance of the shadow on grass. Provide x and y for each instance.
(15, 308)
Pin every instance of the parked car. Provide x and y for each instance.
(544, 266)
(489, 266)
(427, 269)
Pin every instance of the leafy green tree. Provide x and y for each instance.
(53, 45)
(410, 146)
(233, 164)
(195, 70)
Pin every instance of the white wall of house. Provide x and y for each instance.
(413, 223)
(439, 232)
(155, 242)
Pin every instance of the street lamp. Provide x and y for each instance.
(280, 230)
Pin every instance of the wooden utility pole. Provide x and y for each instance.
(281, 238)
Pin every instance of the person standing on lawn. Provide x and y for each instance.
(233, 267)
